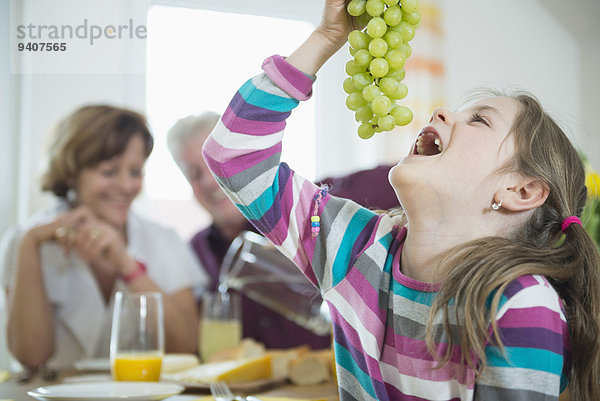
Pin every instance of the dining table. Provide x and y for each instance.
(15, 388)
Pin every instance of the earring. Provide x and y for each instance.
(71, 196)
(496, 206)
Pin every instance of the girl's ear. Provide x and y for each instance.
(527, 194)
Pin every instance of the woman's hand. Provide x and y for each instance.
(57, 230)
(94, 240)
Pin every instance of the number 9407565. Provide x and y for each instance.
(42, 46)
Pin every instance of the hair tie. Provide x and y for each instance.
(567, 222)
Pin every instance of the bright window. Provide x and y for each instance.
(196, 60)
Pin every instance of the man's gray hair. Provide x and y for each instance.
(187, 129)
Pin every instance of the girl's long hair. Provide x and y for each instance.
(472, 272)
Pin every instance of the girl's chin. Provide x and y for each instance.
(399, 177)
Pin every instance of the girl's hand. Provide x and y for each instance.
(335, 24)
(326, 39)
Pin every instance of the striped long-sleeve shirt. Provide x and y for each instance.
(379, 315)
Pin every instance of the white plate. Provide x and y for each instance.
(94, 364)
(132, 391)
(87, 378)
(170, 363)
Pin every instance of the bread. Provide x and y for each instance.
(311, 368)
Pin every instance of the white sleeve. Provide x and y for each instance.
(170, 261)
(184, 268)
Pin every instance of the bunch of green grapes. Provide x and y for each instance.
(376, 72)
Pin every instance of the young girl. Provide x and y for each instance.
(468, 296)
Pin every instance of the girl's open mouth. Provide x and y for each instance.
(428, 143)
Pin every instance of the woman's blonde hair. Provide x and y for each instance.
(480, 270)
(88, 136)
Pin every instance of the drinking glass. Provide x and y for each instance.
(221, 323)
(137, 337)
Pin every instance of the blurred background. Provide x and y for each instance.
(180, 57)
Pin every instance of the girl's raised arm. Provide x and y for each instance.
(243, 152)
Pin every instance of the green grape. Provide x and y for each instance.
(381, 105)
(398, 74)
(377, 128)
(378, 47)
(360, 80)
(406, 50)
(355, 100)
(363, 114)
(378, 67)
(358, 40)
(400, 92)
(369, 92)
(393, 39)
(366, 130)
(395, 59)
(374, 7)
(395, 27)
(407, 31)
(376, 70)
(352, 67)
(409, 6)
(363, 57)
(363, 19)
(356, 7)
(388, 86)
(403, 115)
(386, 123)
(348, 85)
(376, 27)
(412, 18)
(392, 16)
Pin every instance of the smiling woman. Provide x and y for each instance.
(110, 187)
(62, 268)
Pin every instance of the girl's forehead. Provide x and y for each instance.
(503, 104)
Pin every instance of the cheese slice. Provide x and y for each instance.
(270, 398)
(177, 362)
(233, 371)
(247, 348)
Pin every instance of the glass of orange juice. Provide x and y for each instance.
(221, 323)
(137, 339)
